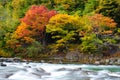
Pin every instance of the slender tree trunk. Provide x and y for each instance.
(44, 39)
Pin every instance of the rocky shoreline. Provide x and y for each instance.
(16, 59)
(110, 61)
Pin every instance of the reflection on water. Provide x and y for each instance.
(45, 71)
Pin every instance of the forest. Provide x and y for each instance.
(35, 28)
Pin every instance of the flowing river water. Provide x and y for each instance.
(46, 71)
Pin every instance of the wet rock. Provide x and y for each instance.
(61, 69)
(103, 75)
(68, 69)
(60, 62)
(107, 60)
(83, 73)
(27, 62)
(24, 60)
(2, 64)
(16, 59)
(5, 75)
(42, 61)
(27, 66)
(9, 60)
(77, 69)
(97, 62)
(111, 62)
(2, 59)
(8, 75)
(50, 61)
(41, 70)
(97, 79)
(118, 61)
(92, 73)
(102, 61)
(38, 72)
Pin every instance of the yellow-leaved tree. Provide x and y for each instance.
(64, 29)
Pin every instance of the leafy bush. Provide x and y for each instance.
(4, 53)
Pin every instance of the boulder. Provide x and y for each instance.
(2, 64)
(38, 71)
(97, 62)
(83, 73)
(112, 61)
(68, 69)
(61, 69)
(9, 60)
(42, 61)
(16, 59)
(118, 61)
(92, 72)
(2, 59)
(73, 55)
(107, 60)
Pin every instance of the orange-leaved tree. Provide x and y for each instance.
(102, 24)
(33, 25)
(97, 24)
(32, 28)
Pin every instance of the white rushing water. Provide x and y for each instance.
(45, 71)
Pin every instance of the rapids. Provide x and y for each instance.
(46, 71)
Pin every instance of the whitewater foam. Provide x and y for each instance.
(46, 71)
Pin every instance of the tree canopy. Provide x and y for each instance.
(32, 27)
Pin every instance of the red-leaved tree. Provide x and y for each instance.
(33, 25)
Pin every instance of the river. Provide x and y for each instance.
(47, 71)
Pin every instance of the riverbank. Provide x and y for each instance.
(75, 57)
(58, 60)
(110, 61)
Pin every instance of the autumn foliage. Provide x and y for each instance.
(63, 28)
(29, 28)
(34, 23)
(102, 24)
